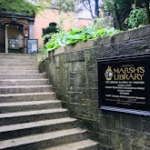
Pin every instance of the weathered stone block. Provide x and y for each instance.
(89, 66)
(90, 125)
(135, 147)
(106, 140)
(94, 54)
(124, 141)
(91, 80)
(131, 47)
(146, 126)
(113, 124)
(85, 93)
(93, 94)
(80, 55)
(77, 66)
(75, 97)
(110, 50)
(81, 111)
(73, 74)
(105, 40)
(131, 122)
(68, 57)
(147, 140)
(137, 138)
(105, 148)
(82, 45)
(120, 37)
(140, 32)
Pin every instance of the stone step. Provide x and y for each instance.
(17, 56)
(22, 82)
(39, 141)
(17, 61)
(27, 106)
(19, 130)
(29, 67)
(27, 97)
(22, 75)
(12, 64)
(32, 116)
(24, 89)
(19, 71)
(81, 145)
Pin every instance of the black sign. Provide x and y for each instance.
(124, 84)
(32, 46)
(14, 19)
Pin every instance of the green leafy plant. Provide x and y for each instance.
(136, 17)
(50, 29)
(67, 38)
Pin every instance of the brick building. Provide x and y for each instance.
(16, 29)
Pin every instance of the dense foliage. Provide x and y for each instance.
(65, 5)
(74, 36)
(23, 6)
(135, 10)
(50, 29)
(32, 7)
(118, 10)
(137, 17)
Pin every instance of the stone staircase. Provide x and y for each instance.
(30, 116)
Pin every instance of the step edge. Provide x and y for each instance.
(22, 126)
(33, 112)
(92, 143)
(35, 138)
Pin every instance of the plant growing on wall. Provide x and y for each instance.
(74, 36)
(50, 29)
(136, 17)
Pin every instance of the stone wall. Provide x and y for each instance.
(72, 71)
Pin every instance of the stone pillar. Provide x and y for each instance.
(31, 29)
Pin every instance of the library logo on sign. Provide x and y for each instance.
(108, 74)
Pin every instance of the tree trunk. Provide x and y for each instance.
(135, 4)
(118, 16)
(96, 8)
(147, 11)
(90, 9)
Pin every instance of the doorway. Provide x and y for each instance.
(14, 39)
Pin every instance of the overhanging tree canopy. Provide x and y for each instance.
(120, 9)
(34, 6)
(23, 6)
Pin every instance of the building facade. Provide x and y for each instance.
(16, 29)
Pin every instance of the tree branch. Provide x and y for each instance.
(91, 9)
(85, 5)
(147, 11)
